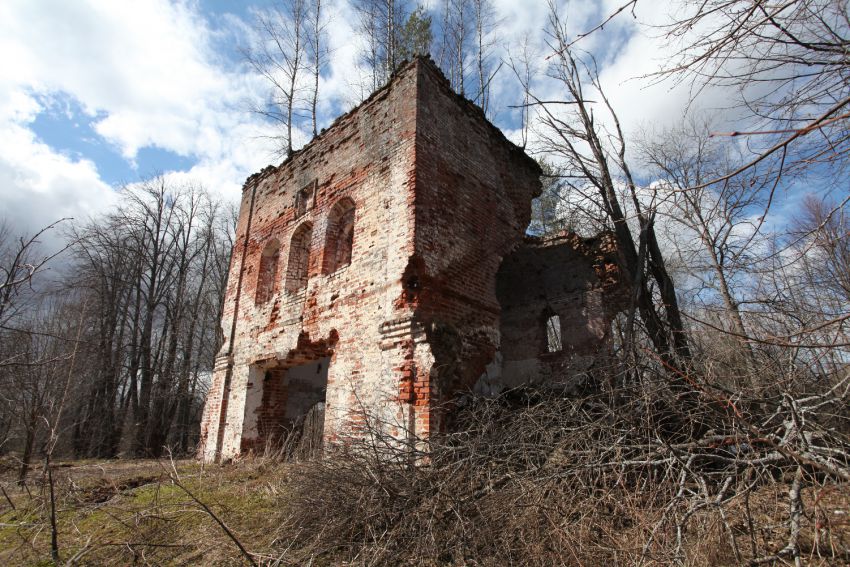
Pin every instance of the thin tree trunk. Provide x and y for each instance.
(29, 446)
(318, 62)
(391, 41)
(479, 28)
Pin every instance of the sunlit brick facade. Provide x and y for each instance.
(364, 274)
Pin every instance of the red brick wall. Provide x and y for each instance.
(271, 415)
(440, 197)
(473, 204)
(367, 157)
(563, 276)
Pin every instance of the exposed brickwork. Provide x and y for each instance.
(271, 414)
(267, 280)
(340, 237)
(576, 279)
(392, 225)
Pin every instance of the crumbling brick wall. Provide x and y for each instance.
(431, 198)
(365, 158)
(572, 282)
(473, 204)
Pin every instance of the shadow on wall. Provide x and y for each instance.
(558, 298)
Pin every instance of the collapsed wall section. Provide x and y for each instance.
(473, 204)
(558, 297)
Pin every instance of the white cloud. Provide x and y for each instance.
(150, 73)
(145, 64)
(39, 186)
(146, 73)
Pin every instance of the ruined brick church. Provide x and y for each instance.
(384, 269)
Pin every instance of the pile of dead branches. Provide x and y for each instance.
(630, 475)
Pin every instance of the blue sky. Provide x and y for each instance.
(95, 94)
(66, 128)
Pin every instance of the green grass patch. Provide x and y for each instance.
(124, 513)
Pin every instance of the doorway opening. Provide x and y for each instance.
(290, 415)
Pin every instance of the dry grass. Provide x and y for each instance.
(535, 477)
(130, 512)
(344, 510)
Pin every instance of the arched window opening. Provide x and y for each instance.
(340, 236)
(553, 334)
(267, 275)
(299, 258)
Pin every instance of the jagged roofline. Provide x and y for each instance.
(569, 237)
(427, 63)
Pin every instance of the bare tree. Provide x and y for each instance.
(317, 54)
(466, 48)
(558, 209)
(787, 62)
(801, 290)
(715, 230)
(28, 351)
(32, 380)
(593, 161)
(108, 267)
(525, 69)
(380, 26)
(457, 36)
(20, 260)
(154, 271)
(484, 15)
(279, 55)
(824, 226)
(25, 383)
(53, 419)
